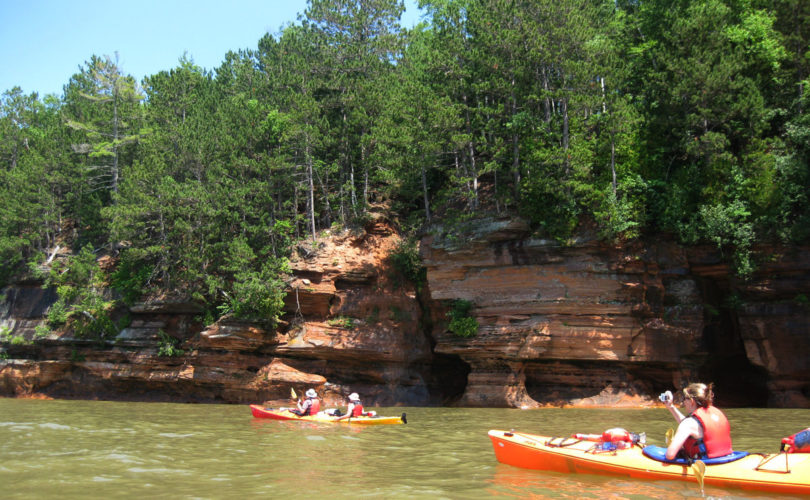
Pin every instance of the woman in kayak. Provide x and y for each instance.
(705, 431)
(310, 406)
(355, 408)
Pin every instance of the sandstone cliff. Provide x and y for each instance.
(580, 324)
(589, 324)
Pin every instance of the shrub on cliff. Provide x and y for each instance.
(250, 282)
(405, 259)
(461, 323)
(168, 345)
(79, 283)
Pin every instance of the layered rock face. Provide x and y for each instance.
(352, 325)
(587, 324)
(576, 324)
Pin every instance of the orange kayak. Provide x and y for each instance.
(787, 473)
(285, 414)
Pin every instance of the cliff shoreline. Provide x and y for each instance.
(585, 324)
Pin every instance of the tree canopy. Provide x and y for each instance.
(639, 117)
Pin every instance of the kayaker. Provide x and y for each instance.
(355, 408)
(310, 406)
(704, 432)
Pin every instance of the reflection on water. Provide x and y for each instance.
(86, 449)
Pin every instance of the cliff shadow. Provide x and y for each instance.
(737, 381)
(447, 379)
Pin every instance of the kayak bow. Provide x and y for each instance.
(285, 414)
(775, 473)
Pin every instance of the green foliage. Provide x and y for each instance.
(257, 290)
(41, 331)
(550, 206)
(18, 340)
(405, 259)
(617, 216)
(207, 318)
(462, 324)
(344, 322)
(728, 226)
(79, 285)
(685, 117)
(58, 314)
(168, 345)
(130, 278)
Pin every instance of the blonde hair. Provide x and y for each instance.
(701, 393)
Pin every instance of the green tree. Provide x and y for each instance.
(114, 124)
(35, 175)
(359, 42)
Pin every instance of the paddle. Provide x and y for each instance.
(293, 396)
(699, 468)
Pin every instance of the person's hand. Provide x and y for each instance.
(666, 398)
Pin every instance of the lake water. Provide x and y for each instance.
(98, 449)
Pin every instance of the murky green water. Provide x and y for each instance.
(88, 449)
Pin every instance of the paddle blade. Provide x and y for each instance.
(292, 393)
(670, 432)
(699, 468)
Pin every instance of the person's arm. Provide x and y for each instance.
(674, 411)
(686, 429)
(349, 410)
(306, 407)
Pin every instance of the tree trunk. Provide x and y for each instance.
(613, 159)
(425, 190)
(311, 194)
(565, 138)
(471, 148)
(546, 100)
(115, 140)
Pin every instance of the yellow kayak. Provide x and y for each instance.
(787, 473)
(285, 414)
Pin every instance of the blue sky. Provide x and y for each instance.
(43, 42)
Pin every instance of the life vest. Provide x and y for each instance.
(613, 439)
(616, 435)
(357, 410)
(797, 443)
(716, 440)
(312, 408)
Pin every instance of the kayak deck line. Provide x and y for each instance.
(755, 471)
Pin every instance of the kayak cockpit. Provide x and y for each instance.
(659, 453)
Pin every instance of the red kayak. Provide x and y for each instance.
(323, 417)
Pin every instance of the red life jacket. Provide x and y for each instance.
(357, 410)
(312, 408)
(716, 440)
(616, 435)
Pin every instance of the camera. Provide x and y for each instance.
(665, 397)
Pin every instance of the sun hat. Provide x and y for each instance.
(354, 397)
(311, 393)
